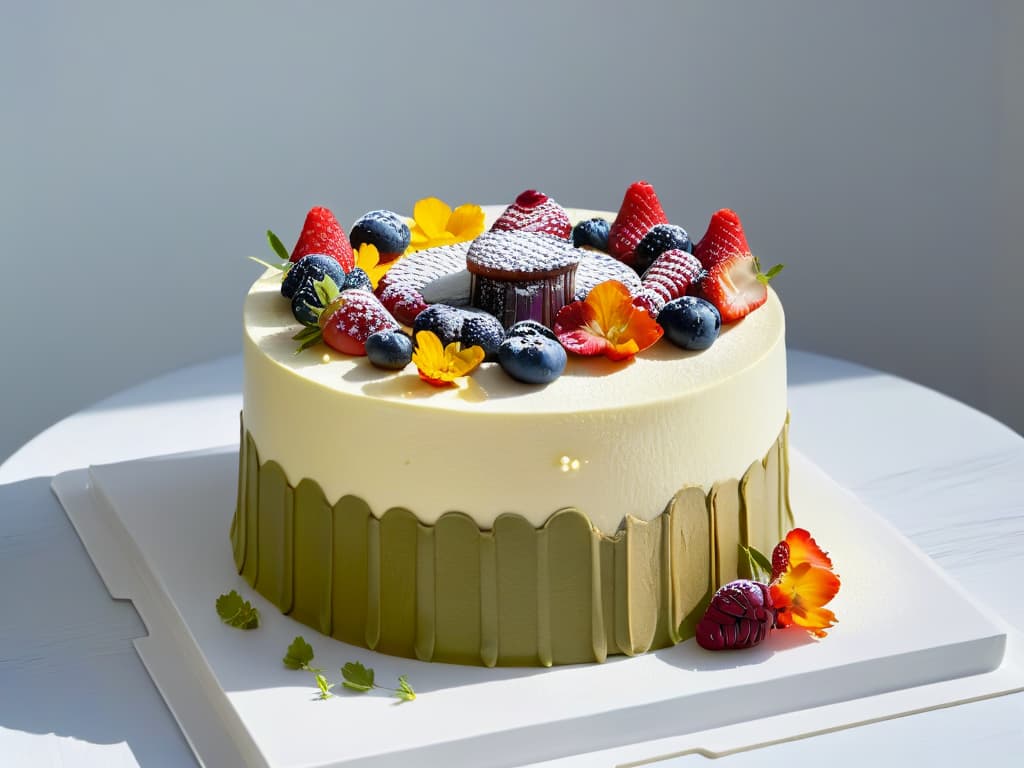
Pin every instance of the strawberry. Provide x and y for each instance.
(322, 234)
(639, 213)
(723, 239)
(734, 286)
(534, 211)
(669, 277)
(351, 318)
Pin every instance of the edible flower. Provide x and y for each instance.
(434, 223)
(802, 584)
(368, 260)
(606, 323)
(440, 366)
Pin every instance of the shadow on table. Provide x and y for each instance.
(67, 664)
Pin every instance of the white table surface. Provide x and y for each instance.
(74, 693)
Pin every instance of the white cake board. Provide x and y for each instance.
(157, 530)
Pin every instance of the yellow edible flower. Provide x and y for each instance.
(435, 223)
(368, 260)
(439, 365)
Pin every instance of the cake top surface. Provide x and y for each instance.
(662, 372)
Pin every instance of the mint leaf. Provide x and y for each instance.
(299, 654)
(760, 566)
(229, 605)
(766, 277)
(236, 612)
(324, 686)
(404, 690)
(326, 290)
(357, 677)
(277, 246)
(261, 262)
(308, 337)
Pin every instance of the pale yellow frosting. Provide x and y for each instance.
(609, 439)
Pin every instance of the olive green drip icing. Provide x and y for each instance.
(514, 595)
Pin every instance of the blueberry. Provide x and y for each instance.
(531, 328)
(592, 232)
(444, 320)
(661, 238)
(468, 326)
(389, 349)
(357, 278)
(384, 229)
(690, 322)
(483, 330)
(532, 359)
(313, 266)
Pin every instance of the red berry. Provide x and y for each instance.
(321, 233)
(724, 239)
(669, 277)
(351, 318)
(534, 211)
(732, 286)
(639, 213)
(780, 559)
(740, 615)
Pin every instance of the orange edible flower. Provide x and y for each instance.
(440, 366)
(803, 584)
(434, 223)
(606, 323)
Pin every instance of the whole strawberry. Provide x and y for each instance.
(668, 278)
(724, 239)
(322, 234)
(349, 320)
(639, 213)
(740, 615)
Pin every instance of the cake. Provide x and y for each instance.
(502, 523)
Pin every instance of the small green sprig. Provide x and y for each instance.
(280, 251)
(236, 612)
(361, 679)
(326, 292)
(355, 676)
(766, 277)
(760, 565)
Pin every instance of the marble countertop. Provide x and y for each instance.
(74, 693)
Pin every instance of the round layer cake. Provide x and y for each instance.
(502, 523)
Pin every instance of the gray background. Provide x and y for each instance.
(876, 148)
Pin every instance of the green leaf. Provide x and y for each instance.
(404, 690)
(277, 246)
(308, 337)
(299, 654)
(326, 290)
(236, 612)
(765, 277)
(357, 677)
(324, 686)
(760, 566)
(268, 265)
(229, 605)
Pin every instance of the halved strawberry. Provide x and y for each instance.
(724, 238)
(534, 211)
(322, 234)
(732, 284)
(639, 213)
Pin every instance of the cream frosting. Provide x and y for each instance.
(608, 439)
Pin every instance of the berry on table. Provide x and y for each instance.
(740, 615)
